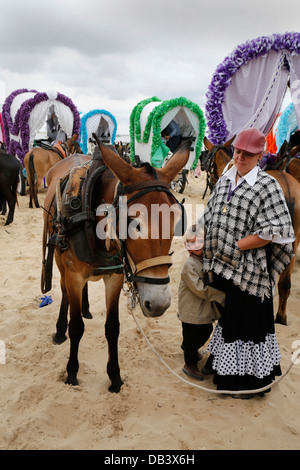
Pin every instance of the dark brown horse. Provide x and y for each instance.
(214, 160)
(220, 157)
(88, 197)
(287, 161)
(123, 150)
(38, 162)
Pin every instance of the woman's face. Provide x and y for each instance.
(245, 161)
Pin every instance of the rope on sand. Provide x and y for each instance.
(222, 392)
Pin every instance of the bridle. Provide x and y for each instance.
(69, 149)
(130, 269)
(208, 164)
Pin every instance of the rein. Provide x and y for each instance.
(295, 360)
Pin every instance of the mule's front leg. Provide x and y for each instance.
(113, 285)
(62, 321)
(76, 328)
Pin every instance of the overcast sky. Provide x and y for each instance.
(112, 54)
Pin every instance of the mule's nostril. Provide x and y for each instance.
(148, 305)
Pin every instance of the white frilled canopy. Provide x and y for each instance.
(248, 87)
(26, 111)
(149, 117)
(92, 121)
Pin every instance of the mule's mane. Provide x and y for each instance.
(149, 169)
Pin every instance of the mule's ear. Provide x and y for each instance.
(229, 142)
(294, 150)
(282, 151)
(208, 145)
(123, 170)
(176, 163)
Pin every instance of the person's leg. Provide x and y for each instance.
(190, 345)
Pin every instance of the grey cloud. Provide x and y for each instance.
(123, 50)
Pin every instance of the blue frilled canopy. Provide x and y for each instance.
(90, 123)
(287, 125)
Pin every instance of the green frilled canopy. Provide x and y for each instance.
(149, 117)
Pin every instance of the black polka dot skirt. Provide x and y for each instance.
(244, 348)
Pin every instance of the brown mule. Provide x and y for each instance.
(287, 161)
(140, 253)
(38, 162)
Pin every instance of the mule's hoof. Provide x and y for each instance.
(71, 380)
(87, 315)
(115, 388)
(280, 321)
(59, 339)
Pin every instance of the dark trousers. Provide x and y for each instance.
(194, 337)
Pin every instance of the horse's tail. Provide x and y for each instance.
(31, 167)
(31, 174)
(291, 207)
(289, 198)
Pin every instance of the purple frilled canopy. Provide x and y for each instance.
(20, 126)
(251, 49)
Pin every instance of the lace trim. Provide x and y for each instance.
(241, 358)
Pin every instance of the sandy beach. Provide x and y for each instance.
(155, 410)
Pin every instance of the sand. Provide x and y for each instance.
(155, 410)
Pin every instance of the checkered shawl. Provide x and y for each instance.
(259, 209)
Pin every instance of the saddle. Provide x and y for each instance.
(75, 214)
(60, 150)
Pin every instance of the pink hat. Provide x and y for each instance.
(250, 140)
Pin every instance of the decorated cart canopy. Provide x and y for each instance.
(26, 111)
(287, 125)
(271, 146)
(2, 139)
(248, 87)
(100, 122)
(151, 116)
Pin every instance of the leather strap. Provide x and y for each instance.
(148, 263)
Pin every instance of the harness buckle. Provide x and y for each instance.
(132, 295)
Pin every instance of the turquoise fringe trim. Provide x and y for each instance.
(83, 132)
(287, 124)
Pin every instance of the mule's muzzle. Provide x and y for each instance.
(154, 299)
